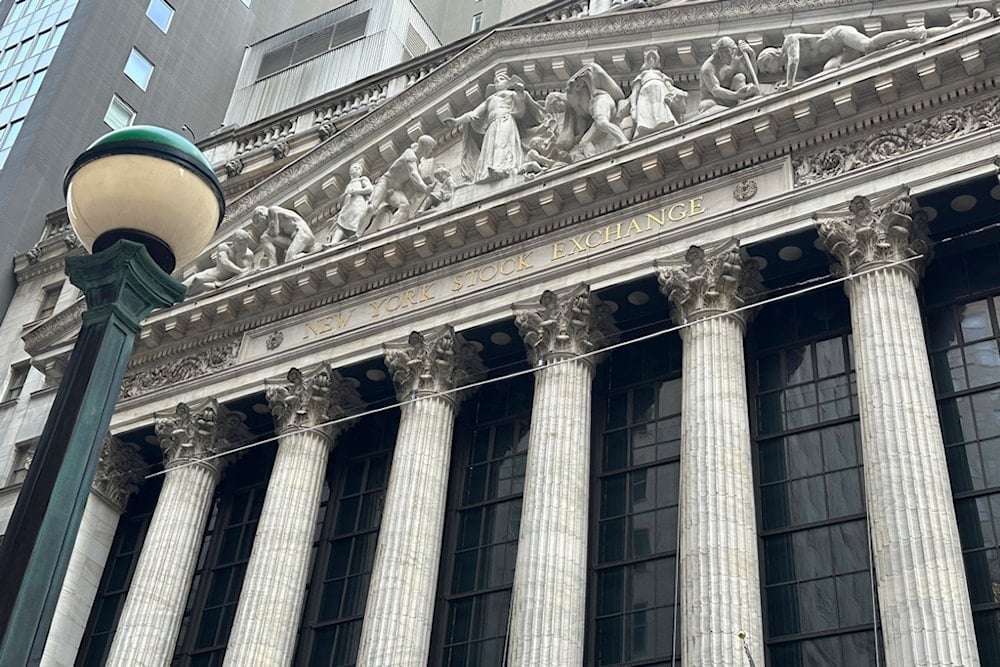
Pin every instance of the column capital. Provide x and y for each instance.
(567, 322)
(709, 281)
(438, 361)
(200, 430)
(119, 471)
(308, 399)
(875, 230)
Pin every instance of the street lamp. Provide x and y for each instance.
(142, 199)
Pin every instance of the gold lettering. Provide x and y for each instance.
(650, 219)
(389, 307)
(342, 319)
(577, 246)
(677, 212)
(457, 284)
(633, 225)
(523, 263)
(618, 232)
(507, 267)
(596, 243)
(376, 306)
(425, 293)
(558, 250)
(482, 273)
(411, 296)
(696, 206)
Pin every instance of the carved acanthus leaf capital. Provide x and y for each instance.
(310, 399)
(709, 281)
(435, 362)
(569, 322)
(119, 471)
(875, 231)
(200, 430)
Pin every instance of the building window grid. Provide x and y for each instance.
(815, 555)
(484, 522)
(963, 338)
(218, 579)
(117, 577)
(638, 465)
(346, 556)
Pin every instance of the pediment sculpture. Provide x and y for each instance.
(511, 135)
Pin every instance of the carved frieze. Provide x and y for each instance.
(179, 370)
(887, 144)
(874, 231)
(435, 362)
(709, 281)
(568, 322)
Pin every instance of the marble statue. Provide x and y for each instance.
(286, 237)
(839, 45)
(233, 258)
(442, 190)
(589, 128)
(729, 76)
(503, 119)
(353, 206)
(535, 161)
(655, 103)
(396, 193)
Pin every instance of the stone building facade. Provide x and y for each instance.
(633, 335)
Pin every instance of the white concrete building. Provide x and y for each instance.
(624, 343)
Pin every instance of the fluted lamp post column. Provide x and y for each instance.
(142, 199)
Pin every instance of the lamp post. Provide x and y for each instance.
(142, 199)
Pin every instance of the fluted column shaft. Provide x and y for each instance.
(923, 595)
(881, 244)
(264, 629)
(548, 604)
(548, 601)
(270, 607)
(151, 618)
(397, 628)
(719, 573)
(400, 608)
(720, 581)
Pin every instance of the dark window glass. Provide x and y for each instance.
(218, 580)
(275, 60)
(483, 523)
(818, 590)
(350, 29)
(637, 464)
(312, 45)
(50, 296)
(345, 552)
(15, 382)
(963, 340)
(122, 559)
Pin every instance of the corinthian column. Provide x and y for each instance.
(154, 607)
(264, 630)
(720, 584)
(922, 591)
(548, 603)
(118, 472)
(397, 626)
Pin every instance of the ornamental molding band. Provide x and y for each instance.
(888, 144)
(436, 362)
(189, 367)
(198, 431)
(709, 281)
(310, 399)
(570, 322)
(119, 471)
(873, 231)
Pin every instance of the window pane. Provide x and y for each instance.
(119, 114)
(138, 69)
(160, 13)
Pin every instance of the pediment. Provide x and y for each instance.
(777, 141)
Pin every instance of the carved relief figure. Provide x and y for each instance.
(502, 119)
(396, 192)
(728, 76)
(655, 103)
(592, 98)
(442, 190)
(233, 258)
(286, 237)
(353, 206)
(839, 45)
(535, 162)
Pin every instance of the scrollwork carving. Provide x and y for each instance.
(569, 322)
(312, 399)
(200, 430)
(190, 367)
(119, 471)
(436, 362)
